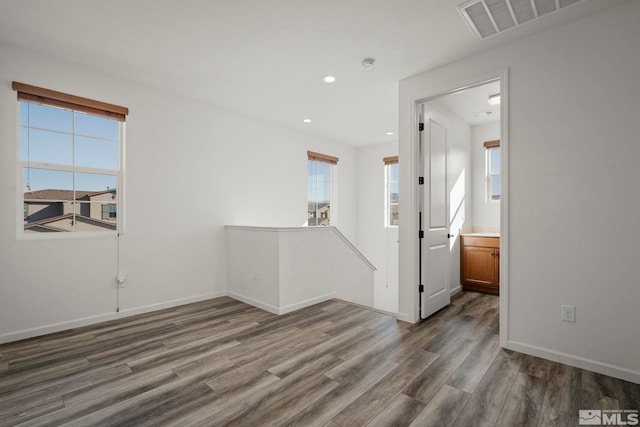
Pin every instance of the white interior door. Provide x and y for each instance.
(434, 226)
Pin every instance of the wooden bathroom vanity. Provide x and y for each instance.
(480, 262)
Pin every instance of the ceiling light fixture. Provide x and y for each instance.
(389, 133)
(481, 114)
(494, 100)
(307, 120)
(367, 64)
(329, 79)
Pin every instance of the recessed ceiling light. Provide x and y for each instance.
(494, 100)
(329, 79)
(307, 120)
(389, 133)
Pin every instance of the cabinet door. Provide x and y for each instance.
(479, 266)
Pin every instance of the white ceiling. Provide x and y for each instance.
(266, 58)
(472, 105)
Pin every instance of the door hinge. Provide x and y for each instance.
(420, 127)
(421, 180)
(420, 288)
(421, 234)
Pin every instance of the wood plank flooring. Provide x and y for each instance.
(224, 363)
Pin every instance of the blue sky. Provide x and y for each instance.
(46, 135)
(393, 178)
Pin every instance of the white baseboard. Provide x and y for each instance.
(284, 309)
(456, 290)
(404, 317)
(90, 320)
(377, 310)
(174, 303)
(576, 361)
(306, 303)
(261, 305)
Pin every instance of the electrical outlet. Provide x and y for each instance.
(256, 276)
(568, 313)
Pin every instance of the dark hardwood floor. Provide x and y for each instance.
(222, 362)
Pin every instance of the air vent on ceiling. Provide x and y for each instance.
(487, 18)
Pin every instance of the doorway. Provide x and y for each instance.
(468, 193)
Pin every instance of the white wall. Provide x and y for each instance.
(377, 242)
(486, 214)
(318, 262)
(284, 269)
(253, 266)
(573, 196)
(190, 169)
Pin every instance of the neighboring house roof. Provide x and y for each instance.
(97, 193)
(61, 195)
(42, 228)
(44, 223)
(320, 205)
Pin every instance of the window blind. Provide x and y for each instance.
(322, 157)
(58, 99)
(390, 160)
(492, 144)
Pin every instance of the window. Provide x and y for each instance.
(109, 212)
(493, 170)
(391, 191)
(70, 156)
(320, 176)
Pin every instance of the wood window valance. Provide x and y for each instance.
(492, 144)
(58, 99)
(322, 157)
(390, 160)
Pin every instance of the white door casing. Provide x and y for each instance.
(434, 245)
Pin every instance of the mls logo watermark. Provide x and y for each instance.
(608, 417)
(590, 417)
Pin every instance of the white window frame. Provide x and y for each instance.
(22, 164)
(333, 188)
(387, 195)
(333, 199)
(490, 175)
